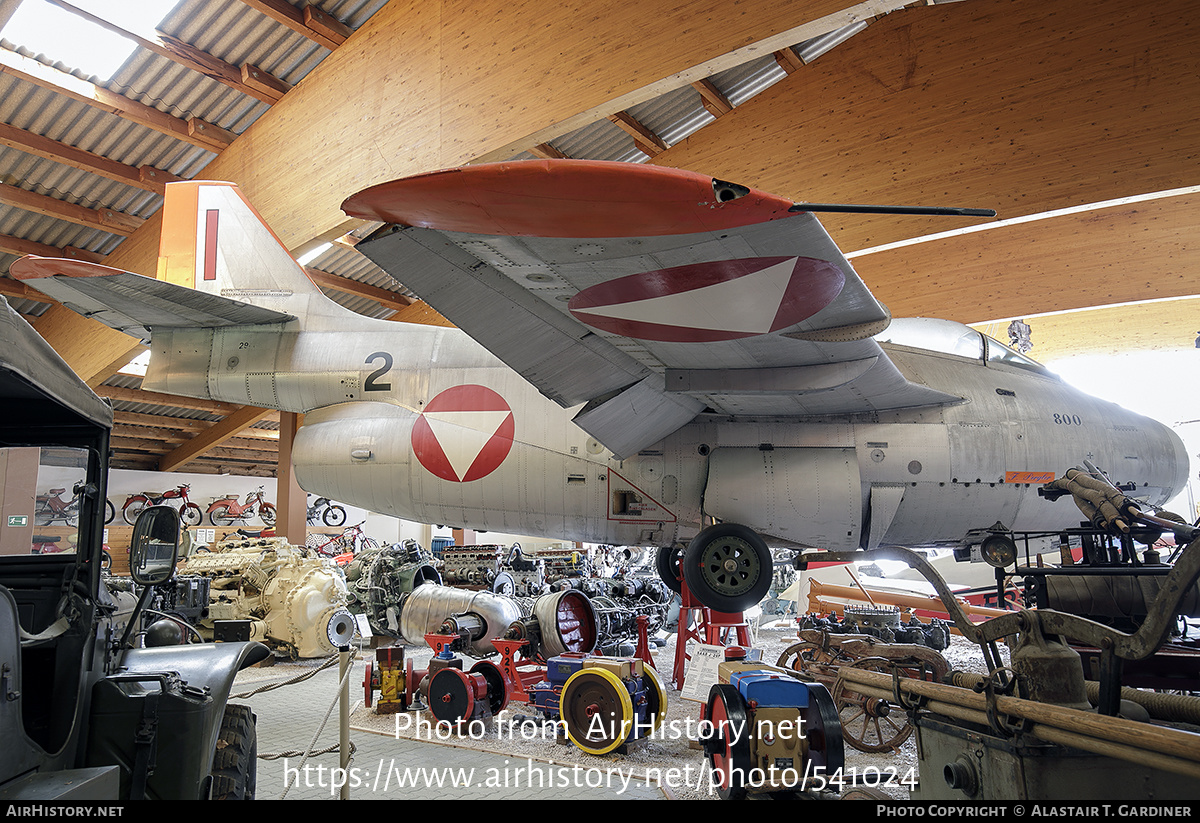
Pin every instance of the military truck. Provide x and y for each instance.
(85, 714)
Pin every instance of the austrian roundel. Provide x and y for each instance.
(464, 433)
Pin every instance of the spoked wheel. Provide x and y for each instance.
(132, 509)
(110, 512)
(808, 658)
(191, 515)
(666, 563)
(823, 730)
(334, 516)
(221, 516)
(267, 513)
(727, 742)
(870, 724)
(43, 516)
(728, 567)
(596, 710)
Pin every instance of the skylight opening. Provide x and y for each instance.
(78, 43)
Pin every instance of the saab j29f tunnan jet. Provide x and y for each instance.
(643, 356)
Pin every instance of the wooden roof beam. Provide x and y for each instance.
(142, 177)
(711, 98)
(193, 130)
(388, 299)
(22, 247)
(213, 437)
(547, 152)
(788, 60)
(647, 142)
(313, 23)
(189, 57)
(109, 220)
(158, 398)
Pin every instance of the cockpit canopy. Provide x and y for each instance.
(949, 337)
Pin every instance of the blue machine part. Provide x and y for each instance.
(770, 690)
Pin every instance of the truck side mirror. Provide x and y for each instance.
(155, 546)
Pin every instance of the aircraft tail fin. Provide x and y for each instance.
(214, 241)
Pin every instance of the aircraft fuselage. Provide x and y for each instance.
(422, 423)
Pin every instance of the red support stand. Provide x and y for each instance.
(712, 628)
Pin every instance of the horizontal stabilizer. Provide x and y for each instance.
(134, 303)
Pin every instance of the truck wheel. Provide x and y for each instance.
(235, 764)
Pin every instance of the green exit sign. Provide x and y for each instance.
(18, 520)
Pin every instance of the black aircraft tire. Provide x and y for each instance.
(728, 567)
(667, 567)
(235, 763)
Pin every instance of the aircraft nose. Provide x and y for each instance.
(1177, 463)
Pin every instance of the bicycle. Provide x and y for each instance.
(352, 540)
(324, 511)
(189, 512)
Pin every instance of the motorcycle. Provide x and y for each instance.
(189, 512)
(225, 511)
(324, 511)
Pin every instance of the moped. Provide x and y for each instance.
(225, 511)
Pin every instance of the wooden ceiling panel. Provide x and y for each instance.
(1023, 107)
(1122, 254)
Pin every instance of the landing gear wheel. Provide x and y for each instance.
(451, 696)
(823, 730)
(334, 516)
(666, 562)
(596, 710)
(727, 744)
(728, 567)
(870, 724)
(235, 764)
(191, 515)
(132, 509)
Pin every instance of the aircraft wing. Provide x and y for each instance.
(645, 293)
(134, 303)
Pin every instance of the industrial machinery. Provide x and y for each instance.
(1028, 730)
(377, 580)
(765, 731)
(86, 716)
(296, 604)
